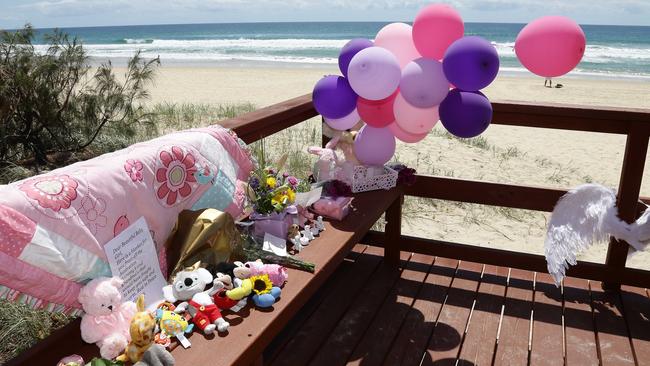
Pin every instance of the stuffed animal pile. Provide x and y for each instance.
(195, 297)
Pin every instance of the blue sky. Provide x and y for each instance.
(73, 13)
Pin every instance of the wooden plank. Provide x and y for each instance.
(333, 285)
(386, 325)
(485, 193)
(629, 187)
(507, 258)
(393, 232)
(512, 344)
(580, 335)
(613, 338)
(548, 331)
(411, 342)
(266, 121)
(249, 338)
(351, 327)
(637, 314)
(314, 331)
(571, 117)
(447, 334)
(480, 341)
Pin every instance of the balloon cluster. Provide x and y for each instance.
(399, 85)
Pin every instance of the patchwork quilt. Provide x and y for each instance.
(53, 226)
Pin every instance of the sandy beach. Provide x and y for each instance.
(506, 154)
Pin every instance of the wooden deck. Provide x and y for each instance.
(439, 311)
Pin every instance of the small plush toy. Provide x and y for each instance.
(189, 286)
(221, 298)
(265, 294)
(277, 274)
(327, 165)
(142, 329)
(293, 231)
(170, 324)
(156, 355)
(107, 318)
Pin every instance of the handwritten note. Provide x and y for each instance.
(132, 257)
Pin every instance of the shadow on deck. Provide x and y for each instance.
(439, 311)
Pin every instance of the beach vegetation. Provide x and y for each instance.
(54, 105)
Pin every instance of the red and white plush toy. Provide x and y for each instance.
(189, 286)
(107, 319)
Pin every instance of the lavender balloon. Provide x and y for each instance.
(344, 123)
(333, 97)
(465, 114)
(471, 63)
(374, 73)
(349, 50)
(374, 146)
(423, 83)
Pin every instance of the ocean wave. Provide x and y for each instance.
(593, 53)
(135, 41)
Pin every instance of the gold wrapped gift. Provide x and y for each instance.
(208, 236)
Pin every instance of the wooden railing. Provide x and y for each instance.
(634, 123)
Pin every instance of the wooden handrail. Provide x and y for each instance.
(635, 123)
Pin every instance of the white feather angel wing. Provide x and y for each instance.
(584, 215)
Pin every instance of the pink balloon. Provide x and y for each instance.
(344, 123)
(412, 119)
(374, 146)
(398, 39)
(435, 28)
(405, 136)
(377, 113)
(551, 46)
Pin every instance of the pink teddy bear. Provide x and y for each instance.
(277, 274)
(107, 319)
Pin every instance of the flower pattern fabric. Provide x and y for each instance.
(133, 169)
(55, 192)
(92, 213)
(175, 178)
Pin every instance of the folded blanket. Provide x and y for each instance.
(53, 226)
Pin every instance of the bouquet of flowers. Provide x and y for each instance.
(271, 191)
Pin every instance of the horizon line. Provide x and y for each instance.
(312, 21)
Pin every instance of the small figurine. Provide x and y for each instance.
(297, 243)
(304, 241)
(293, 230)
(315, 231)
(320, 224)
(307, 233)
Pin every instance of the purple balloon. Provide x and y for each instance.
(471, 63)
(333, 97)
(349, 50)
(344, 123)
(374, 146)
(423, 83)
(374, 73)
(465, 114)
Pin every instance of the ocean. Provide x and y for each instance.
(612, 51)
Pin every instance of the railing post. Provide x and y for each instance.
(393, 231)
(324, 139)
(636, 148)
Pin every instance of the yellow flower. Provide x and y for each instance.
(291, 195)
(261, 284)
(270, 181)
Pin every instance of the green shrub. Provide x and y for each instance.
(51, 106)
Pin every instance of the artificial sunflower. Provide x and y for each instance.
(261, 284)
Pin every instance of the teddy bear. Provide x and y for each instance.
(189, 286)
(106, 319)
(141, 329)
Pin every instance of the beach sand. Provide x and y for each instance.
(530, 156)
